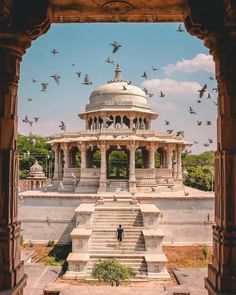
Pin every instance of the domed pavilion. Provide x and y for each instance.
(117, 118)
(36, 177)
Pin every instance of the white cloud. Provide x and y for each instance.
(174, 90)
(201, 62)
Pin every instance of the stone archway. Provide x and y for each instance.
(214, 23)
(117, 163)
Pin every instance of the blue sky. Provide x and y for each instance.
(143, 46)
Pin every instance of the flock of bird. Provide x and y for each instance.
(87, 81)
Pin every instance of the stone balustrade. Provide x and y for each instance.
(80, 239)
(90, 172)
(145, 173)
(150, 215)
(163, 173)
(153, 240)
(83, 215)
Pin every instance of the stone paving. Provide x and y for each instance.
(40, 276)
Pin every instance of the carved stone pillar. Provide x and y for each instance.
(83, 152)
(152, 151)
(217, 27)
(174, 163)
(103, 169)
(132, 178)
(179, 163)
(16, 32)
(169, 155)
(65, 149)
(56, 161)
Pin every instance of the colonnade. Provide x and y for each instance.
(118, 121)
(170, 158)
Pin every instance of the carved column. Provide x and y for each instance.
(132, 178)
(65, 149)
(169, 155)
(103, 169)
(56, 161)
(217, 27)
(18, 26)
(179, 163)
(174, 163)
(83, 152)
(12, 47)
(152, 151)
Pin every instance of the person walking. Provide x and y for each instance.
(119, 234)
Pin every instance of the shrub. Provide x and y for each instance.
(112, 271)
(22, 240)
(205, 251)
(50, 243)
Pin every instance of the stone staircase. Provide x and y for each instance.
(94, 238)
(114, 186)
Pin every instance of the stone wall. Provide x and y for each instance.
(183, 220)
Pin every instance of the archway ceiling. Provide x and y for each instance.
(118, 11)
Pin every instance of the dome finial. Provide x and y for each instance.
(118, 73)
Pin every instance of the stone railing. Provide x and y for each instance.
(163, 173)
(147, 173)
(144, 173)
(90, 172)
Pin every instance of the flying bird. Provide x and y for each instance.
(36, 119)
(215, 89)
(162, 94)
(170, 131)
(210, 140)
(44, 87)
(62, 126)
(109, 61)
(167, 122)
(144, 75)
(116, 46)
(26, 119)
(202, 91)
(31, 123)
(154, 68)
(129, 83)
(206, 144)
(56, 77)
(54, 51)
(191, 111)
(150, 95)
(178, 133)
(199, 123)
(87, 80)
(145, 90)
(29, 99)
(180, 28)
(33, 80)
(215, 103)
(208, 122)
(208, 95)
(195, 142)
(211, 78)
(199, 101)
(78, 74)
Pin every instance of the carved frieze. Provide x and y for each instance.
(117, 7)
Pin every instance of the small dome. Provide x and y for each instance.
(36, 170)
(118, 93)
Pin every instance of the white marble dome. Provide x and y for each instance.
(118, 94)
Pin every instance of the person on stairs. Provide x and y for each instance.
(119, 234)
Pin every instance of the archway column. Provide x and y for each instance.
(179, 162)
(132, 178)
(174, 163)
(103, 169)
(152, 151)
(65, 149)
(56, 161)
(217, 27)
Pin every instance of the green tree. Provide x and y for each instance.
(31, 148)
(112, 271)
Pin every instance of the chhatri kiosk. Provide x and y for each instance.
(118, 117)
(111, 185)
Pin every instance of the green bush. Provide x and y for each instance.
(112, 271)
(205, 251)
(50, 243)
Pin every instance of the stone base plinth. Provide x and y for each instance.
(156, 265)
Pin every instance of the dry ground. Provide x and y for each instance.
(181, 256)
